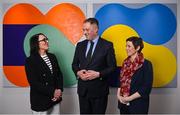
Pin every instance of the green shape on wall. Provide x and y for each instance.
(60, 46)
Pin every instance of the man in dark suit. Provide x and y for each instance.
(94, 60)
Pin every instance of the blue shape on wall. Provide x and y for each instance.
(13, 40)
(155, 23)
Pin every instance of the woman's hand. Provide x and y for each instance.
(120, 98)
(123, 100)
(57, 95)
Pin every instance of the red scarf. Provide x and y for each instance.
(127, 71)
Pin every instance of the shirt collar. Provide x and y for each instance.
(96, 39)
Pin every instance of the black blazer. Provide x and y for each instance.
(42, 82)
(103, 61)
(142, 83)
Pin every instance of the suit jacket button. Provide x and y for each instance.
(46, 83)
(44, 74)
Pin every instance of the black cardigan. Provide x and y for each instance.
(142, 83)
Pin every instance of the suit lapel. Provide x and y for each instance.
(95, 53)
(96, 50)
(44, 63)
(84, 48)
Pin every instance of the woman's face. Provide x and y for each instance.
(43, 43)
(130, 48)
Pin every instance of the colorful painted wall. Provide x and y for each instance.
(155, 22)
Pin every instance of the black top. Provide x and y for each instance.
(141, 82)
(42, 82)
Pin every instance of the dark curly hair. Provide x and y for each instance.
(136, 41)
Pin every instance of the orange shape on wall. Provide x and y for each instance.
(15, 75)
(66, 17)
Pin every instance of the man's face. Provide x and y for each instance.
(90, 30)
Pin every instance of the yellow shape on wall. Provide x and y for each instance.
(164, 64)
(118, 35)
(163, 60)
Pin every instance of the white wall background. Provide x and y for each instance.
(16, 100)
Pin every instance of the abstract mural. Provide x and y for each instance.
(62, 23)
(154, 23)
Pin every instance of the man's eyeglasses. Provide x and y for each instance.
(45, 40)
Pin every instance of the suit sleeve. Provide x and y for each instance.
(32, 76)
(75, 63)
(145, 90)
(58, 75)
(110, 60)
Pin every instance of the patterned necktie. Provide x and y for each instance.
(89, 54)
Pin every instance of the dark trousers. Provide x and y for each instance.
(89, 105)
(124, 109)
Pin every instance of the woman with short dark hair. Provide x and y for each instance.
(136, 78)
(44, 76)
